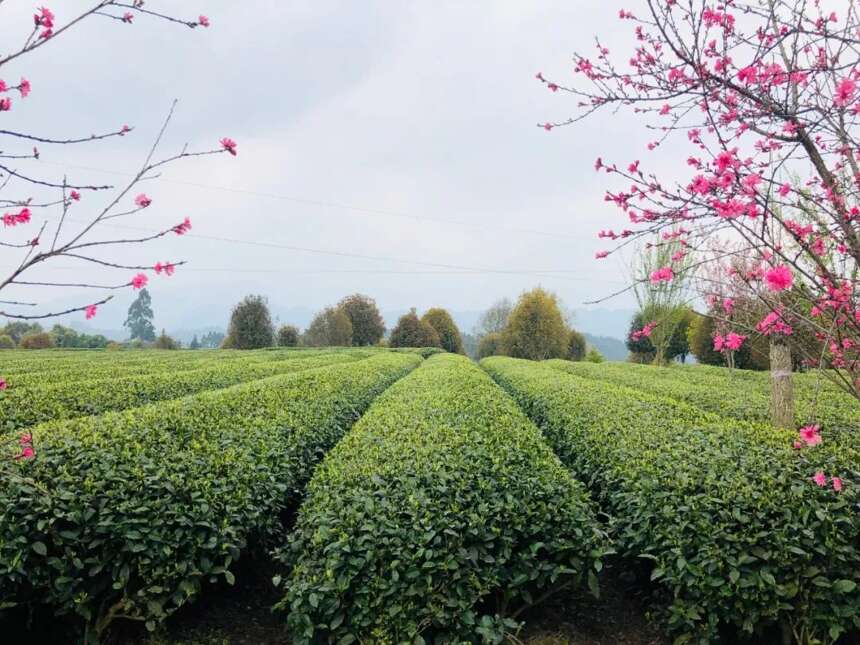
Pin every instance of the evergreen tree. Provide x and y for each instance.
(367, 324)
(139, 320)
(536, 329)
(195, 343)
(250, 325)
(413, 332)
(449, 335)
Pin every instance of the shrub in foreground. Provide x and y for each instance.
(725, 511)
(128, 514)
(436, 519)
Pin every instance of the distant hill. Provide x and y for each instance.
(611, 348)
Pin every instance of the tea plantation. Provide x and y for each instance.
(414, 496)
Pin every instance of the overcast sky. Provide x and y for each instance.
(386, 148)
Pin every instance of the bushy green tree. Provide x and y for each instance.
(367, 324)
(251, 325)
(411, 331)
(329, 328)
(6, 342)
(593, 356)
(17, 330)
(139, 319)
(490, 345)
(288, 336)
(449, 335)
(536, 329)
(39, 340)
(165, 342)
(576, 346)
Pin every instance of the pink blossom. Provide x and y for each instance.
(601, 254)
(27, 453)
(142, 200)
(3, 86)
(664, 274)
(747, 75)
(547, 126)
(728, 306)
(797, 445)
(719, 343)
(24, 87)
(124, 130)
(734, 341)
(90, 312)
(3, 384)
(203, 21)
(167, 268)
(810, 435)
(139, 281)
(819, 478)
(128, 17)
(75, 195)
(837, 483)
(45, 18)
(701, 185)
(5, 104)
(665, 109)
(784, 189)
(779, 278)
(844, 92)
(773, 324)
(230, 146)
(183, 227)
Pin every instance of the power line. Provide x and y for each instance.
(360, 256)
(316, 202)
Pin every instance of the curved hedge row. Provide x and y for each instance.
(77, 398)
(439, 516)
(128, 513)
(737, 532)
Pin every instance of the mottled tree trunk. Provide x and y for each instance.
(781, 385)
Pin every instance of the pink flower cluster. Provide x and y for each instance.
(142, 201)
(13, 219)
(183, 227)
(44, 18)
(809, 436)
(229, 145)
(663, 274)
(773, 323)
(27, 450)
(3, 384)
(645, 332)
(779, 278)
(90, 312)
(730, 342)
(139, 281)
(166, 267)
(820, 480)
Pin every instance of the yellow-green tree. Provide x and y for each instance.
(449, 335)
(536, 329)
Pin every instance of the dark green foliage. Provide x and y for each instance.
(6, 342)
(288, 336)
(490, 345)
(438, 517)
(367, 324)
(68, 338)
(330, 328)
(139, 320)
(536, 329)
(412, 332)
(195, 343)
(576, 346)
(449, 335)
(725, 512)
(250, 325)
(133, 512)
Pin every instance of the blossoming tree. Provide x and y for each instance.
(765, 96)
(41, 221)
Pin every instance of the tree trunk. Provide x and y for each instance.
(781, 385)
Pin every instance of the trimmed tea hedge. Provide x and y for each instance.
(726, 511)
(437, 518)
(742, 397)
(127, 514)
(76, 398)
